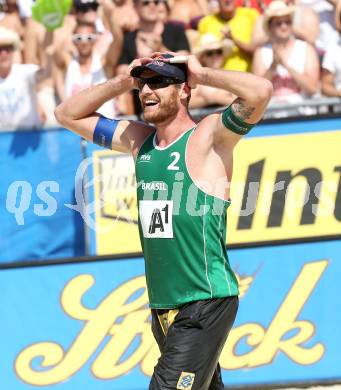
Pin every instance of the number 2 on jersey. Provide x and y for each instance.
(172, 166)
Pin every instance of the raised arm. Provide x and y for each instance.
(114, 51)
(78, 114)
(253, 94)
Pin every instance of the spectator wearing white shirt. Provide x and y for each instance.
(86, 67)
(291, 64)
(331, 65)
(18, 83)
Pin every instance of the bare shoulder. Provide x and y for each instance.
(203, 137)
(207, 125)
(136, 133)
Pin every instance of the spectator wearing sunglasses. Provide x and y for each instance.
(291, 64)
(151, 36)
(305, 24)
(52, 89)
(19, 106)
(89, 11)
(87, 68)
(211, 52)
(237, 24)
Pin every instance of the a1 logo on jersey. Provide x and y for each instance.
(156, 218)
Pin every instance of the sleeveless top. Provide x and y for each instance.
(182, 229)
(75, 82)
(286, 89)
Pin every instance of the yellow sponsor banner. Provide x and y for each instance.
(115, 198)
(284, 187)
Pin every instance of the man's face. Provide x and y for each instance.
(84, 39)
(227, 6)
(280, 27)
(148, 10)
(6, 55)
(159, 101)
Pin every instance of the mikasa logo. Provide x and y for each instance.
(145, 157)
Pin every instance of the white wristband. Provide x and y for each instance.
(178, 60)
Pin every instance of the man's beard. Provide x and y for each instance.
(165, 110)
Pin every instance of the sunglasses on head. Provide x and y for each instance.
(156, 82)
(145, 3)
(211, 53)
(7, 48)
(78, 38)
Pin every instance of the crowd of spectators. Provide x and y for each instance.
(294, 43)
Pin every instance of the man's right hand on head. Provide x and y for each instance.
(133, 64)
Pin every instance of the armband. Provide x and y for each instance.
(104, 131)
(234, 123)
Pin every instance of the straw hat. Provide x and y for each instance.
(9, 37)
(275, 9)
(212, 42)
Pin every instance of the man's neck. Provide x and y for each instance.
(170, 130)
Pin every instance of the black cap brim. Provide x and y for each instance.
(163, 68)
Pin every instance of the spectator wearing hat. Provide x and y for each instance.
(152, 35)
(331, 65)
(211, 52)
(19, 106)
(291, 64)
(237, 24)
(305, 24)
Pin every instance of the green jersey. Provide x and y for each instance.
(182, 229)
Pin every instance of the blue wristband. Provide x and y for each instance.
(104, 131)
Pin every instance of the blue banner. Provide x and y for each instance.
(87, 325)
(37, 183)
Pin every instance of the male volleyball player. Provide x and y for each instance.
(183, 170)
